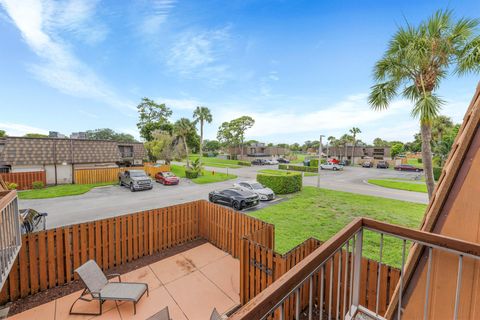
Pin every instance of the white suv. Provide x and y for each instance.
(331, 166)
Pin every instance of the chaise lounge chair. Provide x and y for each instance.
(99, 288)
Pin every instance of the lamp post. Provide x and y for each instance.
(319, 160)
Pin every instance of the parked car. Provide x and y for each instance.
(259, 162)
(32, 221)
(382, 164)
(344, 163)
(283, 160)
(306, 162)
(271, 161)
(407, 167)
(135, 180)
(367, 164)
(263, 192)
(167, 178)
(238, 199)
(331, 166)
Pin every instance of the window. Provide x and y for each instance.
(126, 151)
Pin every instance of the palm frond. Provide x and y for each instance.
(469, 58)
(381, 94)
(427, 107)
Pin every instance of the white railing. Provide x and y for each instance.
(10, 233)
(315, 269)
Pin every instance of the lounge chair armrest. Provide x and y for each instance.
(112, 275)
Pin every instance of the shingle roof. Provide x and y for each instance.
(35, 151)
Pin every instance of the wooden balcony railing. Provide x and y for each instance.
(311, 276)
(10, 233)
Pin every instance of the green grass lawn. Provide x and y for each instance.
(206, 177)
(300, 158)
(321, 213)
(285, 172)
(60, 190)
(216, 162)
(401, 185)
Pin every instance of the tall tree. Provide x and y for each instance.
(183, 128)
(3, 133)
(152, 116)
(109, 134)
(35, 135)
(202, 115)
(239, 127)
(354, 131)
(331, 142)
(440, 126)
(379, 142)
(416, 60)
(344, 141)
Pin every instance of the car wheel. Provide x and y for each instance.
(237, 205)
(132, 188)
(335, 169)
(211, 199)
(120, 182)
(417, 170)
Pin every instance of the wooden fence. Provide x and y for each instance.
(48, 258)
(99, 175)
(260, 266)
(24, 180)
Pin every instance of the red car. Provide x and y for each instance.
(167, 178)
(407, 167)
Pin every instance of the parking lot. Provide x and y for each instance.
(115, 200)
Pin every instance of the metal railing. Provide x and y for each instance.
(340, 297)
(10, 233)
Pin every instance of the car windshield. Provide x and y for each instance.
(256, 186)
(168, 174)
(137, 174)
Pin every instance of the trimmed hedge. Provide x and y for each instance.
(38, 185)
(244, 163)
(190, 174)
(437, 172)
(419, 160)
(281, 184)
(297, 168)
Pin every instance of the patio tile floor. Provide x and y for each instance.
(190, 283)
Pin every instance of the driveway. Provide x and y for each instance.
(112, 201)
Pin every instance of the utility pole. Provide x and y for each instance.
(319, 160)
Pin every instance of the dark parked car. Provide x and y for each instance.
(283, 160)
(344, 163)
(382, 164)
(32, 220)
(259, 162)
(238, 199)
(167, 178)
(367, 164)
(407, 167)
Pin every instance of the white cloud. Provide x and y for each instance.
(158, 11)
(17, 129)
(40, 23)
(196, 55)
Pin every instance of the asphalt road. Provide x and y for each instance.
(112, 201)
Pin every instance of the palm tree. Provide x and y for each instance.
(202, 115)
(416, 60)
(182, 128)
(331, 142)
(354, 131)
(440, 126)
(344, 140)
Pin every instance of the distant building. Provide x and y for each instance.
(258, 150)
(55, 134)
(60, 157)
(78, 135)
(361, 152)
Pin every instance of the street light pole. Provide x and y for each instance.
(319, 160)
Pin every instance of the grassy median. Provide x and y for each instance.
(400, 185)
(207, 176)
(321, 213)
(284, 172)
(63, 190)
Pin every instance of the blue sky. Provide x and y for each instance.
(299, 68)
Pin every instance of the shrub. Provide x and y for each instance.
(437, 172)
(38, 185)
(281, 184)
(419, 160)
(12, 186)
(297, 168)
(244, 163)
(191, 174)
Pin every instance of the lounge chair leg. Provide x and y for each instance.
(88, 300)
(134, 308)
